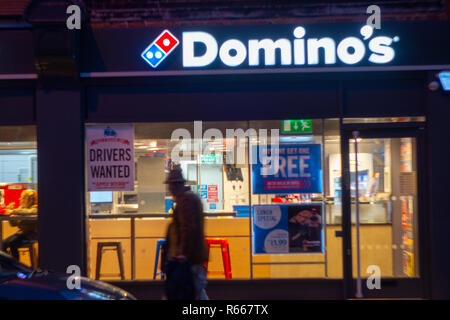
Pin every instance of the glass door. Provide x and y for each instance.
(382, 170)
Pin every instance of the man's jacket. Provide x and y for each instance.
(186, 234)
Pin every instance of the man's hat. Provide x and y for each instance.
(175, 175)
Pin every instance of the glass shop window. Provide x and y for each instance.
(138, 218)
(292, 210)
(218, 164)
(18, 193)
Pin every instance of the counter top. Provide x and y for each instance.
(153, 215)
(30, 217)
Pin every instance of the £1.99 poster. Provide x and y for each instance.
(287, 228)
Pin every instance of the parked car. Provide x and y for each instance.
(20, 282)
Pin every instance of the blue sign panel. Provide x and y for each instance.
(300, 171)
(287, 228)
(444, 77)
(203, 191)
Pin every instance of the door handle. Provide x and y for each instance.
(338, 233)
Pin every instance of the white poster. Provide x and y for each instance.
(110, 158)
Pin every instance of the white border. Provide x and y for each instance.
(18, 76)
(257, 71)
(234, 71)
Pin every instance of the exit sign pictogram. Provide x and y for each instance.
(297, 126)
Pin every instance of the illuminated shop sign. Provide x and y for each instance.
(159, 49)
(200, 49)
(444, 77)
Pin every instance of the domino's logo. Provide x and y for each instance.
(299, 50)
(159, 49)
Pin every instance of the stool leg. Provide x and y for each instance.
(120, 256)
(160, 257)
(225, 260)
(229, 261)
(156, 260)
(99, 261)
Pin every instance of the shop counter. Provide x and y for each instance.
(138, 234)
(376, 248)
(370, 213)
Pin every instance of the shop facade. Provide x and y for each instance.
(316, 84)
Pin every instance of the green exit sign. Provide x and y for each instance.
(211, 159)
(297, 126)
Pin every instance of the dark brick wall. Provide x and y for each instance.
(184, 12)
(123, 13)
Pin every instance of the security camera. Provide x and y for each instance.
(433, 85)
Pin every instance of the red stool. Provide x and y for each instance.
(225, 248)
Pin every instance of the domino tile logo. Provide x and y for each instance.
(159, 49)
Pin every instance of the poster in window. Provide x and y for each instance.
(287, 228)
(110, 158)
(299, 170)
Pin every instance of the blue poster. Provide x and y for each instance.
(299, 171)
(287, 228)
(203, 191)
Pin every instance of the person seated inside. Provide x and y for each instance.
(27, 228)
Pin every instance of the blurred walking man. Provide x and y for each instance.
(185, 240)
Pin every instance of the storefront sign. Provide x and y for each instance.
(444, 77)
(287, 229)
(156, 52)
(200, 49)
(110, 154)
(299, 171)
(297, 126)
(266, 48)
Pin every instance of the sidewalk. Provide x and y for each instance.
(270, 289)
